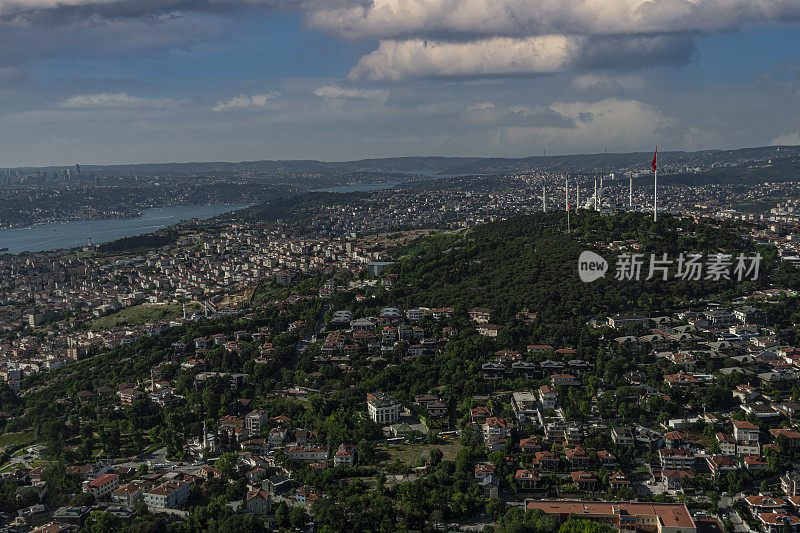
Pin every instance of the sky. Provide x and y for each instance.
(133, 81)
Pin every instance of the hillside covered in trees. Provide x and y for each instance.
(532, 262)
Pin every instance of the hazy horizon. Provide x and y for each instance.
(417, 156)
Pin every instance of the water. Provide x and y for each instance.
(71, 234)
(358, 187)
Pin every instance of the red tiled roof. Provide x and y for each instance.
(102, 480)
(672, 515)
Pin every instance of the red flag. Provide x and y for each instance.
(655, 160)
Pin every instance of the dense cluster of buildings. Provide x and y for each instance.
(54, 293)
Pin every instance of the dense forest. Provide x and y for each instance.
(531, 262)
(136, 242)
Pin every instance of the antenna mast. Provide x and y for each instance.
(566, 200)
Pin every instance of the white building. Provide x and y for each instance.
(383, 409)
(255, 420)
(307, 453)
(345, 455)
(415, 314)
(169, 495)
(524, 404)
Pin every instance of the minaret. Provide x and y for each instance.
(577, 195)
(654, 164)
(595, 193)
(566, 200)
(544, 196)
(205, 435)
(630, 193)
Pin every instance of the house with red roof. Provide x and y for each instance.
(259, 502)
(102, 486)
(526, 479)
(546, 460)
(617, 480)
(345, 455)
(584, 480)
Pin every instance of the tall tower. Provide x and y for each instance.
(630, 193)
(544, 196)
(566, 200)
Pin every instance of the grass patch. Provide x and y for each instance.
(409, 453)
(141, 314)
(16, 439)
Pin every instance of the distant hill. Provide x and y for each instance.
(530, 261)
(604, 162)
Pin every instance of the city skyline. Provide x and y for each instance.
(117, 82)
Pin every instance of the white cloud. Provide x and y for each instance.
(417, 58)
(128, 8)
(398, 18)
(613, 123)
(605, 84)
(646, 32)
(787, 139)
(243, 102)
(113, 100)
(15, 6)
(596, 84)
(335, 91)
(401, 24)
(490, 114)
(438, 38)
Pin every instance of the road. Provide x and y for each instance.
(738, 525)
(726, 504)
(158, 460)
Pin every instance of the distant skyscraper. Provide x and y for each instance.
(77, 170)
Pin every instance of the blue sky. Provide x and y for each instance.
(122, 81)
(263, 46)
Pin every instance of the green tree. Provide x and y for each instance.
(226, 464)
(436, 457)
(298, 518)
(365, 452)
(574, 525)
